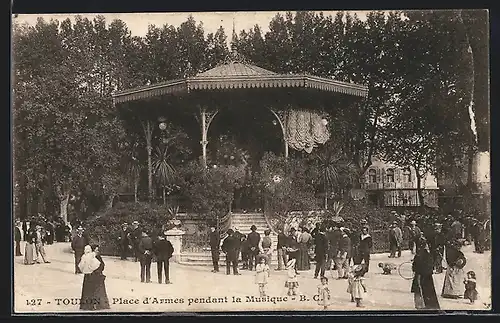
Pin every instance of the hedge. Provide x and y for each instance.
(104, 228)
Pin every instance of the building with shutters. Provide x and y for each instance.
(392, 186)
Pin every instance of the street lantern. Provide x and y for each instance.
(324, 121)
(162, 125)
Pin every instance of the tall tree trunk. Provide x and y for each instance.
(109, 201)
(470, 168)
(420, 195)
(135, 191)
(164, 196)
(63, 207)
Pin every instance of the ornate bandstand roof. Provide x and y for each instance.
(236, 75)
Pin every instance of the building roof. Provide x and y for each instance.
(235, 75)
(235, 69)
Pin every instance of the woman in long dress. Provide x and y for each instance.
(304, 240)
(94, 295)
(29, 249)
(453, 279)
(422, 285)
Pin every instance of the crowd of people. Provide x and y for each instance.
(346, 252)
(332, 246)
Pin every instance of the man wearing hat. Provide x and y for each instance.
(395, 240)
(124, 241)
(78, 245)
(39, 242)
(229, 247)
(253, 242)
(135, 237)
(214, 247)
(437, 241)
(414, 233)
(145, 255)
(17, 238)
(163, 250)
(238, 237)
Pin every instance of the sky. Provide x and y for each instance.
(138, 22)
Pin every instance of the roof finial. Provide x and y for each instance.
(234, 40)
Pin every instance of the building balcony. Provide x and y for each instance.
(389, 185)
(407, 185)
(370, 186)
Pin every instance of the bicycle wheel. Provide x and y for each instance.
(405, 270)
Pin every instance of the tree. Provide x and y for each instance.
(332, 169)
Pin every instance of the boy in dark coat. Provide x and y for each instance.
(163, 250)
(365, 248)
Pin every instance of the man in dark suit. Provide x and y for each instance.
(237, 236)
(214, 248)
(78, 245)
(253, 242)
(321, 251)
(135, 238)
(282, 244)
(124, 240)
(145, 255)
(229, 247)
(17, 238)
(333, 236)
(163, 250)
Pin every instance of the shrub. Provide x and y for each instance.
(104, 228)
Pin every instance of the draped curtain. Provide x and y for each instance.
(305, 130)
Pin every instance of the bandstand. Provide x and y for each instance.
(239, 84)
(299, 103)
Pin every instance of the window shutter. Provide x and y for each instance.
(378, 175)
(367, 177)
(397, 175)
(384, 179)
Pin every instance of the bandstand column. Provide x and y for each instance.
(281, 116)
(148, 132)
(205, 118)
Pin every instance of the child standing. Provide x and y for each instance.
(262, 275)
(356, 285)
(470, 287)
(291, 283)
(350, 278)
(324, 293)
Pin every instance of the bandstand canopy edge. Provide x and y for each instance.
(239, 76)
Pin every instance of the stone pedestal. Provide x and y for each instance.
(175, 237)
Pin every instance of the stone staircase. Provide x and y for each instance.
(242, 221)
